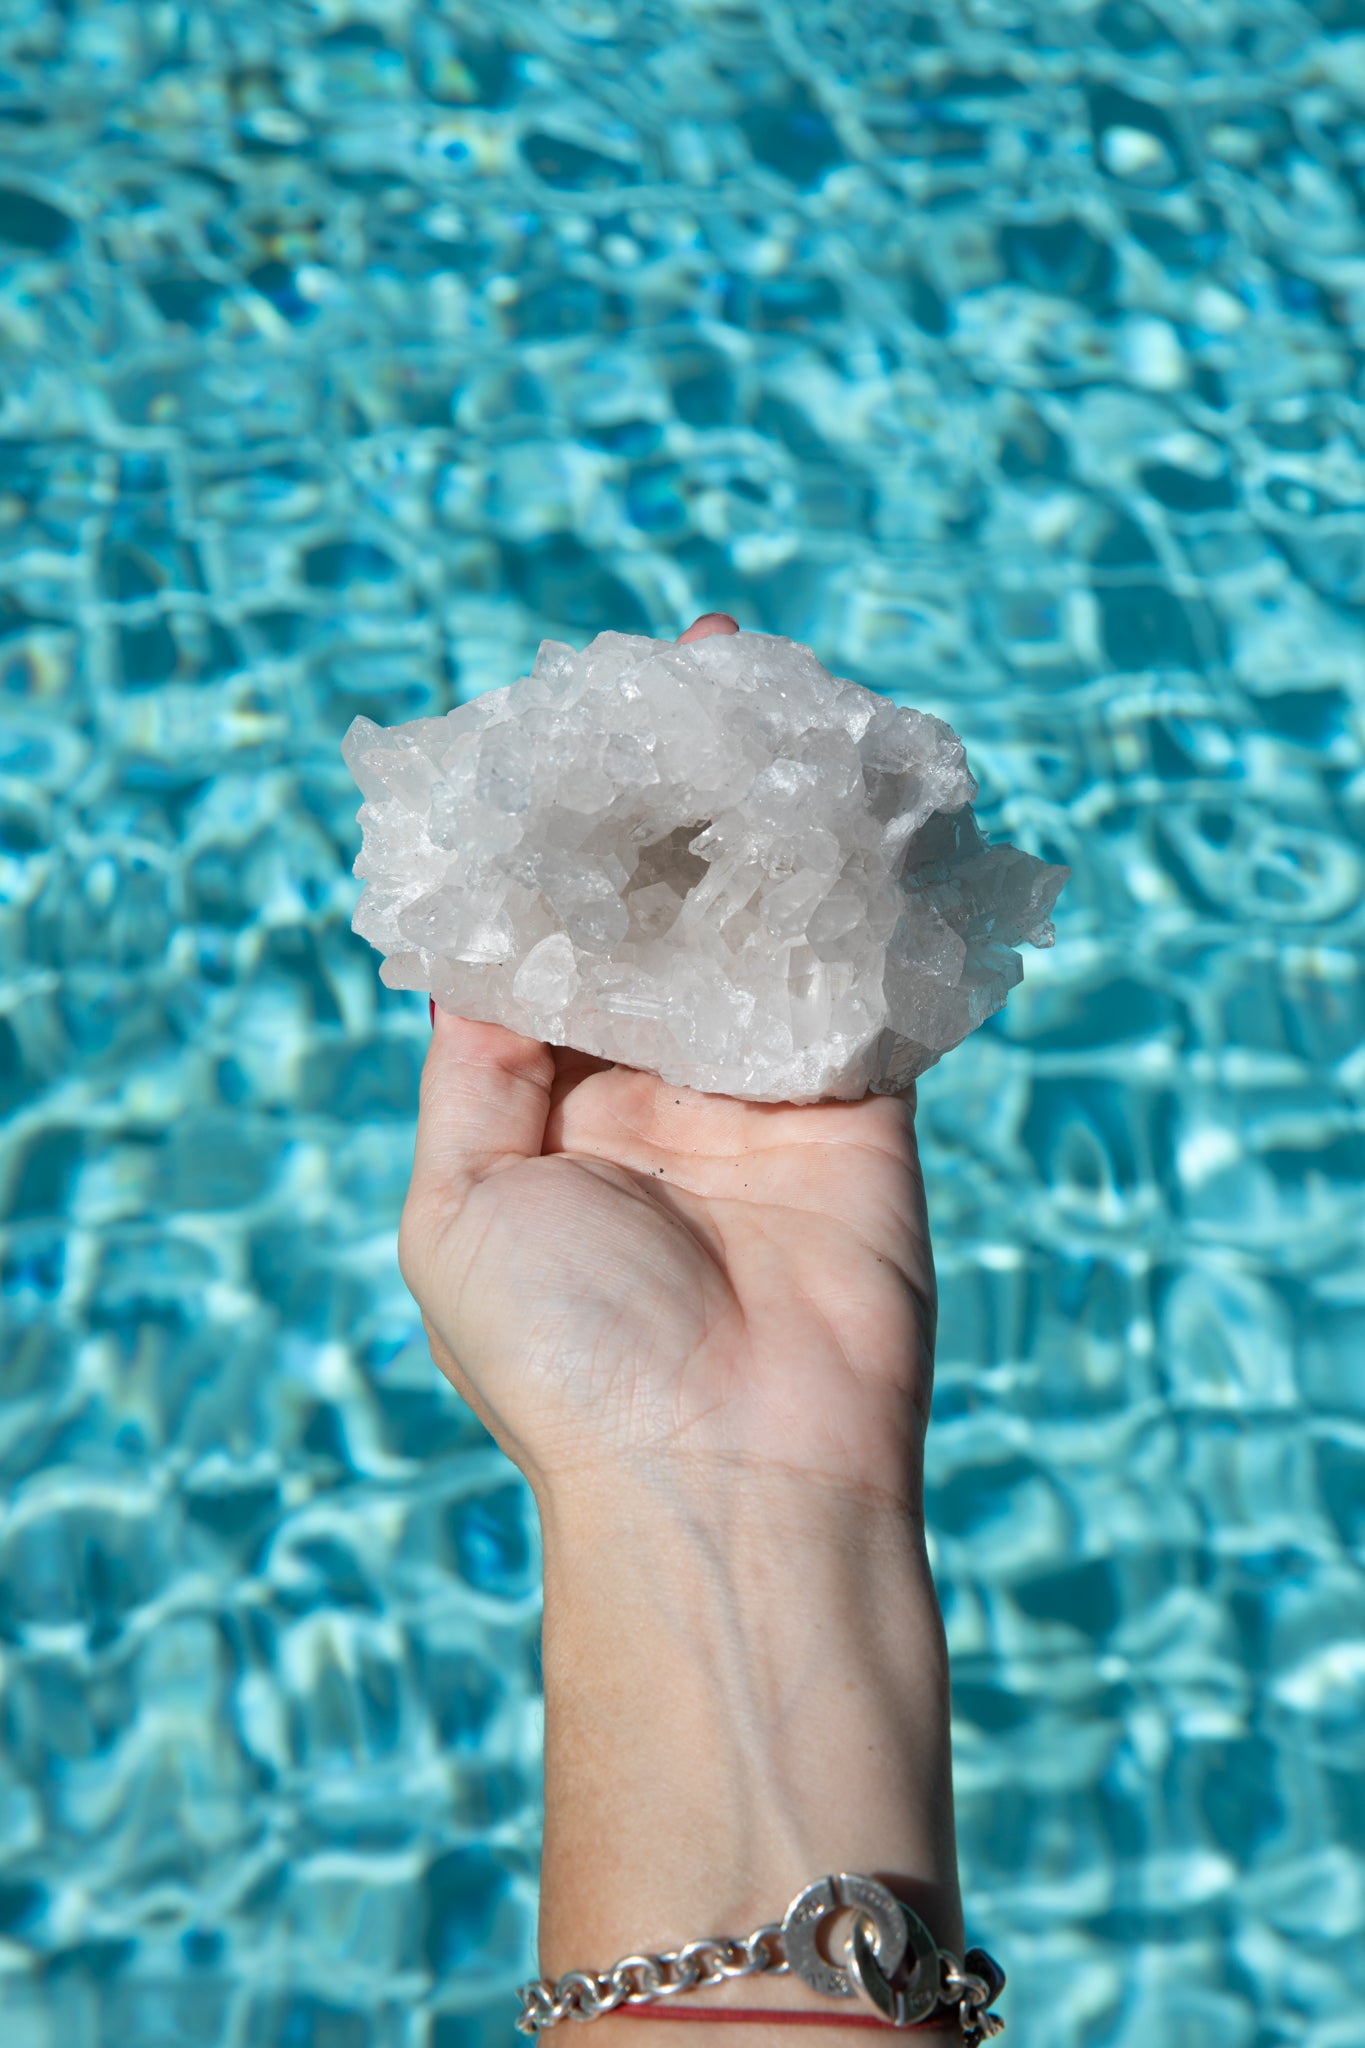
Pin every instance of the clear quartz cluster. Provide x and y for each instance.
(717, 862)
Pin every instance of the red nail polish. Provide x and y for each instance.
(431, 1002)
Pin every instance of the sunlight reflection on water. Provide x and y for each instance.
(1014, 363)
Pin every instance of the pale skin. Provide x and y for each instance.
(703, 1329)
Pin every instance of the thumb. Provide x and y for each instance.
(485, 1099)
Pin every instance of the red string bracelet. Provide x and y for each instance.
(736, 2017)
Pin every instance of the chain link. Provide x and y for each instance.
(972, 1984)
(585, 1994)
(975, 1989)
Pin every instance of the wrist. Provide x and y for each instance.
(740, 1500)
(746, 1687)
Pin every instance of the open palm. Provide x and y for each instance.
(615, 1271)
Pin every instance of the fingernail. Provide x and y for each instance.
(431, 1003)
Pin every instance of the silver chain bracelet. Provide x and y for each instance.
(934, 1983)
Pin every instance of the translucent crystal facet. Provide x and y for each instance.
(716, 861)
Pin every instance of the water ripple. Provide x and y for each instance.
(1015, 362)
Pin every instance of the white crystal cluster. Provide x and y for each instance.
(716, 861)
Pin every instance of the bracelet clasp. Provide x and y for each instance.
(873, 1961)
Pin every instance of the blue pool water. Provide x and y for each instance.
(1011, 355)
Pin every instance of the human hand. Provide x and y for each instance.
(620, 1275)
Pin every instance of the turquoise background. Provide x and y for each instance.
(1009, 354)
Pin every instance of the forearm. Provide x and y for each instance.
(745, 1689)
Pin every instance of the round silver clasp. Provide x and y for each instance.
(826, 1896)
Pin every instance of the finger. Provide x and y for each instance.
(572, 1066)
(485, 1098)
(706, 625)
(571, 1069)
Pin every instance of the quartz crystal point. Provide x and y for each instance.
(717, 862)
